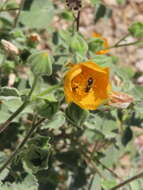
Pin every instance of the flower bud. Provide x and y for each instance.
(34, 37)
(9, 47)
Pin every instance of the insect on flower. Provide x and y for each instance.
(87, 85)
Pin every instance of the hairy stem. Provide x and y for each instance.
(117, 45)
(20, 109)
(128, 44)
(20, 146)
(127, 181)
(122, 39)
(18, 14)
(10, 9)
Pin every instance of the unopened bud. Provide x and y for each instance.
(34, 37)
(9, 47)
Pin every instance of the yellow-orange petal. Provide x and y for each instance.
(87, 85)
(105, 44)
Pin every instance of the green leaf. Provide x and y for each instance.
(125, 72)
(137, 92)
(5, 172)
(7, 91)
(30, 182)
(127, 136)
(11, 4)
(47, 109)
(136, 29)
(67, 15)
(110, 159)
(75, 115)
(57, 121)
(135, 185)
(40, 63)
(96, 183)
(65, 35)
(78, 45)
(96, 44)
(13, 104)
(39, 14)
(39, 141)
(4, 116)
(35, 158)
(108, 183)
(102, 11)
(103, 60)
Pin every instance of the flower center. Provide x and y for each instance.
(82, 85)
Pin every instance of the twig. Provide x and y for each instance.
(77, 20)
(18, 14)
(34, 126)
(12, 9)
(127, 181)
(104, 166)
(111, 171)
(123, 45)
(89, 161)
(20, 109)
(128, 44)
(123, 38)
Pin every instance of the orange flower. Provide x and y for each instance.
(87, 85)
(105, 43)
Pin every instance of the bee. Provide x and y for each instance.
(89, 84)
(73, 4)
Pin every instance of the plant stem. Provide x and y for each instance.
(20, 109)
(123, 38)
(105, 167)
(45, 92)
(121, 45)
(18, 14)
(127, 181)
(12, 9)
(117, 45)
(92, 164)
(19, 147)
(77, 20)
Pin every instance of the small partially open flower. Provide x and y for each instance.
(34, 37)
(120, 99)
(87, 85)
(9, 47)
(105, 43)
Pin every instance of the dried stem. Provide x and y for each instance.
(122, 39)
(20, 146)
(127, 181)
(77, 20)
(18, 14)
(12, 9)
